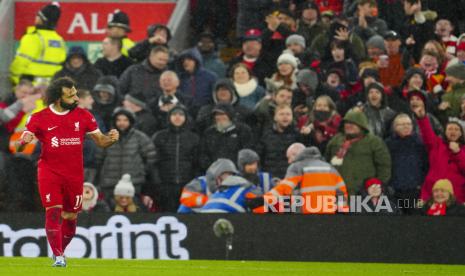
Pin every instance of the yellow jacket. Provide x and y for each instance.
(40, 53)
(127, 44)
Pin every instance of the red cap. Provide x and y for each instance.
(253, 34)
(372, 181)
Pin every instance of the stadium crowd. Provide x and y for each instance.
(324, 98)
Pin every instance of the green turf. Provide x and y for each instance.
(92, 267)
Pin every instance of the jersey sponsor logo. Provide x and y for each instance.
(54, 43)
(70, 141)
(76, 126)
(51, 128)
(55, 143)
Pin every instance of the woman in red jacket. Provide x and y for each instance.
(446, 156)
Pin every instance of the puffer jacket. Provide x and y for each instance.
(133, 154)
(176, 154)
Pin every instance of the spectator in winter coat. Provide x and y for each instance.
(106, 96)
(417, 99)
(280, 24)
(450, 105)
(309, 25)
(375, 47)
(252, 56)
(145, 121)
(113, 62)
(247, 87)
(143, 78)
(409, 162)
(208, 50)
(225, 137)
(321, 124)
(392, 68)
(365, 23)
(196, 193)
(357, 154)
(341, 60)
(295, 45)
(379, 114)
(133, 154)
(196, 81)
(248, 163)
(338, 31)
(264, 112)
(176, 158)
(157, 35)
(78, 67)
(446, 156)
(170, 96)
(443, 201)
(276, 139)
(91, 201)
(223, 93)
(287, 66)
(418, 27)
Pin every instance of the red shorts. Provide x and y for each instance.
(55, 189)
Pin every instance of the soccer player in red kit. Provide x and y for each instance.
(61, 129)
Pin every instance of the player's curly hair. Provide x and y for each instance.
(55, 90)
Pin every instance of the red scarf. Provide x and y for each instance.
(437, 209)
(346, 146)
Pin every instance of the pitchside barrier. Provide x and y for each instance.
(387, 239)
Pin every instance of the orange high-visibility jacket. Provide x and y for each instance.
(319, 184)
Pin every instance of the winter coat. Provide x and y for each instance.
(272, 149)
(160, 115)
(146, 122)
(421, 32)
(241, 114)
(274, 43)
(133, 154)
(85, 77)
(376, 26)
(454, 98)
(198, 85)
(249, 93)
(321, 46)
(379, 119)
(176, 155)
(105, 109)
(409, 162)
(310, 32)
(368, 157)
(444, 164)
(214, 63)
(141, 79)
(226, 144)
(113, 68)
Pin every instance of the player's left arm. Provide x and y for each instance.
(104, 140)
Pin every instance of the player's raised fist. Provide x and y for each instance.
(114, 135)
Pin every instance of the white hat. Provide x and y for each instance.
(125, 187)
(288, 58)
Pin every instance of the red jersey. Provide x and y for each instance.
(61, 135)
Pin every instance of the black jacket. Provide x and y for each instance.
(225, 144)
(113, 68)
(176, 155)
(160, 115)
(272, 149)
(85, 77)
(141, 79)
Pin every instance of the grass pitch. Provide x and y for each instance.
(87, 267)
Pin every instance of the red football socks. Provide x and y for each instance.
(68, 229)
(53, 230)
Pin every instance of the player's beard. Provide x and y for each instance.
(68, 106)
